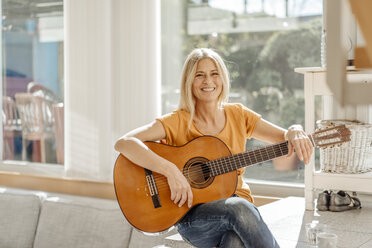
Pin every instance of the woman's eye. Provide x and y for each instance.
(199, 75)
(215, 74)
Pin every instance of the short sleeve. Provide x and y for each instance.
(170, 124)
(251, 118)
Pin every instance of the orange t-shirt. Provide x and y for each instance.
(239, 126)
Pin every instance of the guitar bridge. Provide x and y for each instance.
(152, 188)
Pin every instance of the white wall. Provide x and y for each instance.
(112, 64)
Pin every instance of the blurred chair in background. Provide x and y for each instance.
(58, 112)
(11, 127)
(37, 120)
(37, 89)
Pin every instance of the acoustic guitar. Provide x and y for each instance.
(209, 167)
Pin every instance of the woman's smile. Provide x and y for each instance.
(208, 89)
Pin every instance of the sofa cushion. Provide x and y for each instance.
(18, 219)
(71, 225)
(148, 240)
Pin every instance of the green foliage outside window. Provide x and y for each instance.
(262, 68)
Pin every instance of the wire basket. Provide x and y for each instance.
(350, 157)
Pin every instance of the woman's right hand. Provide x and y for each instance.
(131, 146)
(179, 187)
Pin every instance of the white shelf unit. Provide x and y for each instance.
(315, 85)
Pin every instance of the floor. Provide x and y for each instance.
(286, 219)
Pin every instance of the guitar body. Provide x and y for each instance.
(209, 167)
(136, 197)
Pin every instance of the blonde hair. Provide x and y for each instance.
(187, 100)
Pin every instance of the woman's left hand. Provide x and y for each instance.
(299, 141)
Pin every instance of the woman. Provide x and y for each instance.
(203, 110)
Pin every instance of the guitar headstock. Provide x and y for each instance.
(331, 136)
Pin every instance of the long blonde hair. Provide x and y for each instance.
(187, 100)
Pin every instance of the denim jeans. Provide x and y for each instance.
(232, 222)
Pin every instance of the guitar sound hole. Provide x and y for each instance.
(198, 172)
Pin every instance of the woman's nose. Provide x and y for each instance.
(208, 79)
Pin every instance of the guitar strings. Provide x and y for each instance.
(219, 163)
(237, 157)
(161, 182)
(224, 162)
(228, 163)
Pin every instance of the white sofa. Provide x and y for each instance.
(40, 219)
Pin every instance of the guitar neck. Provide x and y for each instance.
(244, 159)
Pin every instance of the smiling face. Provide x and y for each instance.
(207, 84)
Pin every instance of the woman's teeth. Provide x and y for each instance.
(208, 89)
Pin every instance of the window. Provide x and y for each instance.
(32, 80)
(262, 42)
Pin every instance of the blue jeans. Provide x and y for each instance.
(232, 222)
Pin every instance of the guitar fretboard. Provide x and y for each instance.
(244, 159)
